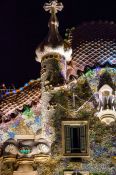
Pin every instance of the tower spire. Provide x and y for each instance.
(54, 37)
(53, 42)
(53, 6)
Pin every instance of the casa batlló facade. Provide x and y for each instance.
(64, 123)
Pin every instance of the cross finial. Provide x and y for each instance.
(53, 6)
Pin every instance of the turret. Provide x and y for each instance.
(53, 52)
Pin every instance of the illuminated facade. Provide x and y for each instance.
(65, 122)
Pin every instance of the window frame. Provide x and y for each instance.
(75, 123)
(71, 172)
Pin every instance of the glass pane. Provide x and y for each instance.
(75, 139)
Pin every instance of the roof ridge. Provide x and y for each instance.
(14, 91)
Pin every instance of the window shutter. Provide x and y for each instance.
(67, 139)
(83, 138)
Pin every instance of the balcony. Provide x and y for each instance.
(106, 105)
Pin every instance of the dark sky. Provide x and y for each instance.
(23, 25)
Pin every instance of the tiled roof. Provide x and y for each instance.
(94, 43)
(14, 102)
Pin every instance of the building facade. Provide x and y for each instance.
(64, 123)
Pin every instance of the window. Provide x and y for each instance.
(75, 138)
(76, 173)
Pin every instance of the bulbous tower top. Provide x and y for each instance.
(53, 43)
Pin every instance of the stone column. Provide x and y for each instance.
(25, 168)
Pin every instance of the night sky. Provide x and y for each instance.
(24, 24)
